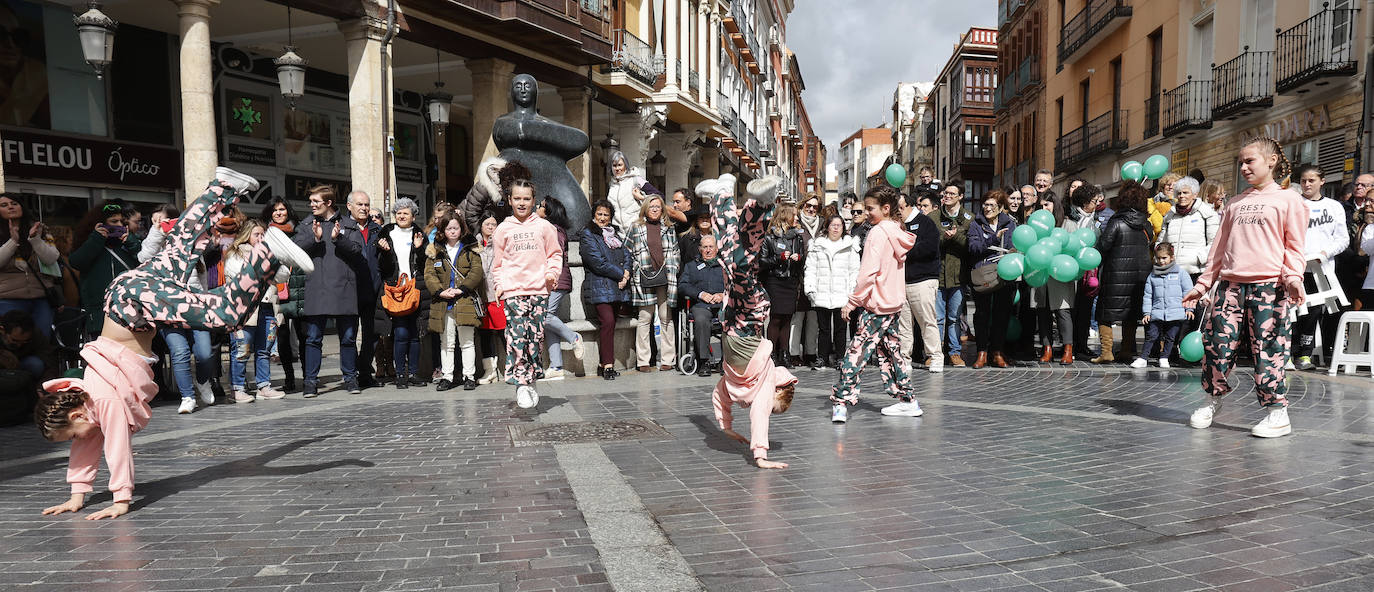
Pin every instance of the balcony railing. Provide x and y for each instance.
(1317, 48)
(1028, 74)
(592, 6)
(727, 117)
(1106, 133)
(976, 153)
(1005, 9)
(1188, 107)
(634, 57)
(693, 81)
(1082, 31)
(1151, 116)
(1243, 84)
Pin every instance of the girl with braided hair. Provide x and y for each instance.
(1255, 271)
(101, 411)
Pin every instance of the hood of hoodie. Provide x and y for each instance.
(1134, 218)
(900, 239)
(760, 377)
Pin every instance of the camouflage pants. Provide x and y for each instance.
(1262, 310)
(876, 336)
(740, 230)
(524, 336)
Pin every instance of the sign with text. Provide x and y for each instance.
(298, 187)
(1297, 126)
(38, 155)
(251, 154)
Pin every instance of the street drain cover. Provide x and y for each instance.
(587, 431)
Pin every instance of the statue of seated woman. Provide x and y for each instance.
(545, 147)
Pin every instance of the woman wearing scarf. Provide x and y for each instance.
(628, 190)
(805, 327)
(608, 272)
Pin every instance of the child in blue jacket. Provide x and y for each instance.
(1164, 312)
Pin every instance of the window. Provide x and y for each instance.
(1203, 50)
(1257, 28)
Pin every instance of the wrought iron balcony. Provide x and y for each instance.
(1098, 19)
(1005, 10)
(1243, 84)
(693, 81)
(1106, 133)
(1316, 50)
(1151, 116)
(971, 155)
(1188, 107)
(634, 57)
(1028, 74)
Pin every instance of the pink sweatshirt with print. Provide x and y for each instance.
(881, 285)
(119, 384)
(525, 254)
(1261, 239)
(758, 383)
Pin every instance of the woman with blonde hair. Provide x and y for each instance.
(1214, 194)
(250, 342)
(780, 268)
(653, 282)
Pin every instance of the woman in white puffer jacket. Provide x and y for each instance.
(832, 269)
(628, 189)
(1190, 226)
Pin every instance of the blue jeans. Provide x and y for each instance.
(405, 349)
(258, 350)
(38, 308)
(182, 344)
(347, 327)
(555, 330)
(948, 307)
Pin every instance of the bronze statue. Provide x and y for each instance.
(545, 146)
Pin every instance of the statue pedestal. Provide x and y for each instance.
(575, 314)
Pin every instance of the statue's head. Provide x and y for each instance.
(524, 91)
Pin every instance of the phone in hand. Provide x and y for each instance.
(115, 231)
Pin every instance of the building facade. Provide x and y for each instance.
(1019, 101)
(960, 131)
(908, 140)
(861, 155)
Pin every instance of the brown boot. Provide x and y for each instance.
(1067, 359)
(998, 361)
(981, 361)
(1047, 354)
(1104, 333)
(956, 361)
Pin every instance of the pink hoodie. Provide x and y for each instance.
(524, 254)
(759, 381)
(119, 384)
(881, 287)
(1262, 239)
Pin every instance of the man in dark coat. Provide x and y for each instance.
(335, 244)
(369, 285)
(703, 281)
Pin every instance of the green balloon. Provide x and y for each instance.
(1089, 258)
(1011, 266)
(1156, 166)
(1056, 246)
(1191, 347)
(1059, 234)
(1132, 171)
(896, 175)
(1024, 237)
(1013, 329)
(1039, 255)
(1086, 235)
(1064, 268)
(1042, 221)
(1015, 297)
(1037, 277)
(1073, 244)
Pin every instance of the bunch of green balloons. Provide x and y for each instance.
(1155, 167)
(1045, 251)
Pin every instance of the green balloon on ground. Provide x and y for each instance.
(1191, 347)
(1064, 268)
(1013, 329)
(1132, 171)
(896, 175)
(1042, 221)
(1037, 277)
(1024, 237)
(1011, 266)
(1156, 166)
(1039, 256)
(1086, 235)
(1089, 258)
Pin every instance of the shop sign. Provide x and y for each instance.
(88, 160)
(1297, 126)
(251, 155)
(1180, 162)
(297, 187)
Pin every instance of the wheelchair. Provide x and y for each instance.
(687, 360)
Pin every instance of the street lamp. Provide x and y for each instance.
(439, 101)
(290, 69)
(658, 165)
(97, 37)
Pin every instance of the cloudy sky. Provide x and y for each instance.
(854, 52)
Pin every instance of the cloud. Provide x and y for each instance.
(853, 53)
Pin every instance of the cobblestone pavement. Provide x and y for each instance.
(1031, 478)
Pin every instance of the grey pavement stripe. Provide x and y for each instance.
(634, 550)
(1099, 415)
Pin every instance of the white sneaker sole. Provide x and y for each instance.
(240, 182)
(917, 413)
(935, 369)
(1272, 432)
(287, 252)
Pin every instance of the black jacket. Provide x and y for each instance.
(771, 252)
(923, 260)
(1126, 264)
(701, 276)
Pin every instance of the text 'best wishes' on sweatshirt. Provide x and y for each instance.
(881, 285)
(525, 254)
(1262, 239)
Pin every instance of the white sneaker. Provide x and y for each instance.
(936, 366)
(207, 394)
(240, 182)
(188, 404)
(553, 374)
(534, 397)
(268, 392)
(1202, 417)
(577, 349)
(1139, 363)
(1273, 425)
(1289, 364)
(1164, 362)
(287, 252)
(839, 413)
(904, 408)
(524, 397)
(243, 397)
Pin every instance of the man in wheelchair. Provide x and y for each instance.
(703, 285)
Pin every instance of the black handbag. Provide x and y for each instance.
(52, 293)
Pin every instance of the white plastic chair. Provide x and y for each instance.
(1354, 333)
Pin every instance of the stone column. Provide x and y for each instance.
(703, 63)
(670, 49)
(713, 59)
(681, 149)
(577, 113)
(636, 131)
(490, 99)
(710, 163)
(367, 153)
(199, 151)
